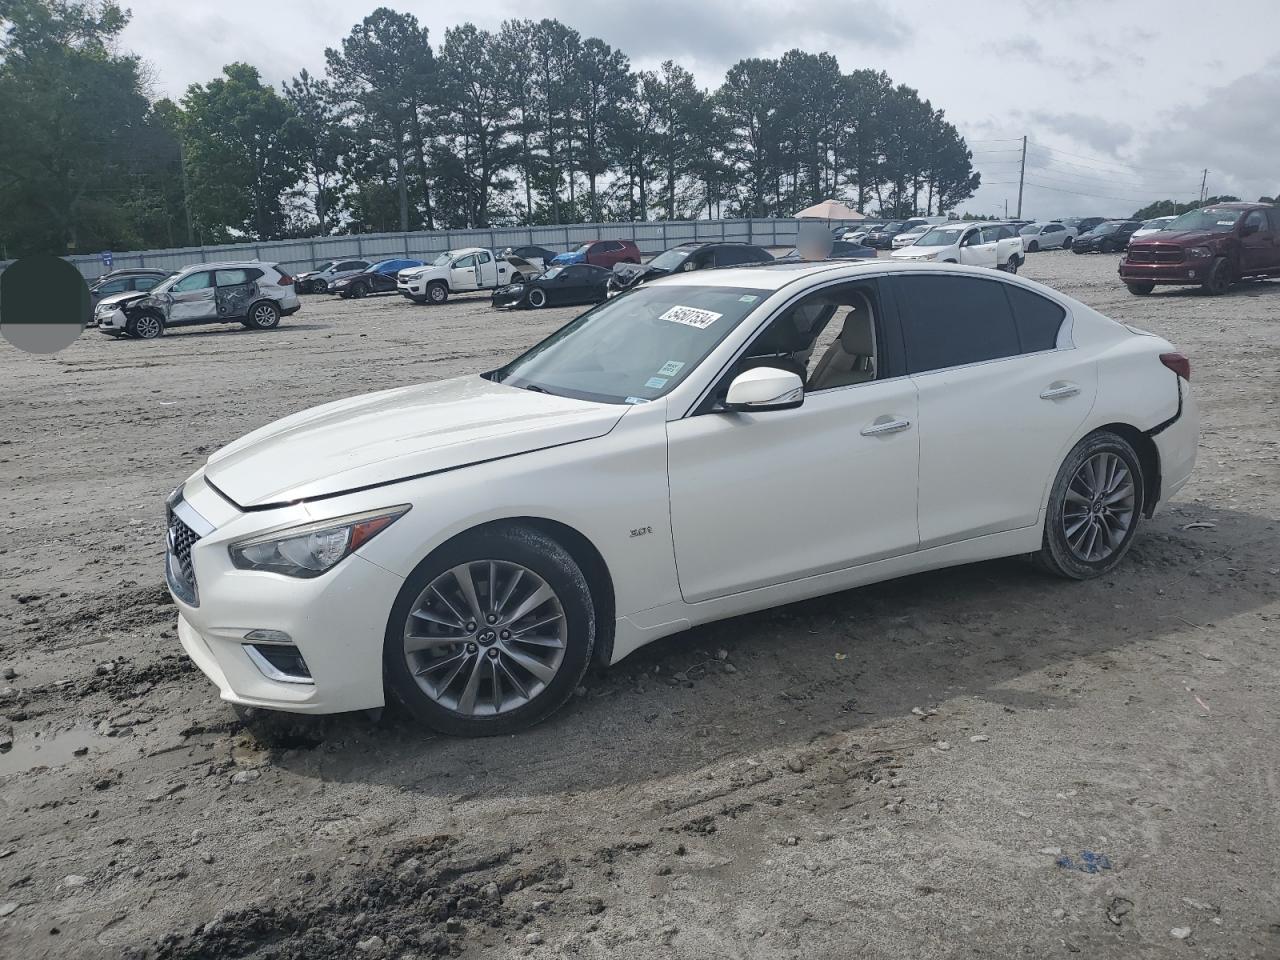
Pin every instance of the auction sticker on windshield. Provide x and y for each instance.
(691, 317)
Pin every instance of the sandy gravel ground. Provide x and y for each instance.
(980, 762)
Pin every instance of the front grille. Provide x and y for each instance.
(1156, 253)
(180, 573)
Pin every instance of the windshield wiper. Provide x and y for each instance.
(536, 389)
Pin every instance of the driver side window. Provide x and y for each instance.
(465, 262)
(830, 339)
(1255, 222)
(197, 281)
(972, 238)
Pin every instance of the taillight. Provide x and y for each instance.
(1178, 364)
(285, 279)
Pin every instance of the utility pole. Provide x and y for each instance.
(1204, 178)
(1022, 172)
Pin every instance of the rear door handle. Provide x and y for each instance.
(1059, 391)
(885, 425)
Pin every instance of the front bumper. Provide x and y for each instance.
(113, 322)
(337, 622)
(507, 298)
(1186, 272)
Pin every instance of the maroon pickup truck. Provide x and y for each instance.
(1212, 248)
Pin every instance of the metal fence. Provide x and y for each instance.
(651, 237)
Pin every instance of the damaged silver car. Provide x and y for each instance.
(250, 292)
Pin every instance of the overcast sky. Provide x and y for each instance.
(1124, 102)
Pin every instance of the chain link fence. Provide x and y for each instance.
(651, 237)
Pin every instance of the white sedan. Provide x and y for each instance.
(704, 446)
(1047, 236)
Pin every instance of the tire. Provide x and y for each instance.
(536, 298)
(319, 286)
(449, 686)
(1033, 246)
(1140, 289)
(263, 315)
(1011, 266)
(437, 292)
(1094, 505)
(146, 326)
(359, 291)
(1066, 243)
(1219, 278)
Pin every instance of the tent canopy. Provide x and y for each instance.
(830, 210)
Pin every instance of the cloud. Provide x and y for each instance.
(1103, 136)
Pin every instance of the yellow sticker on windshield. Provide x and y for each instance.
(691, 317)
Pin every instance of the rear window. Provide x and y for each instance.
(953, 321)
(1037, 319)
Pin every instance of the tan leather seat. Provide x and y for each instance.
(852, 357)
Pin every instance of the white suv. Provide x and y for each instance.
(250, 292)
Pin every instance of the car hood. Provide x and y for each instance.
(398, 434)
(1186, 238)
(629, 274)
(120, 299)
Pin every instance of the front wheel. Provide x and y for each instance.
(437, 292)
(1140, 289)
(1033, 246)
(490, 634)
(1094, 508)
(359, 290)
(1219, 278)
(147, 326)
(537, 298)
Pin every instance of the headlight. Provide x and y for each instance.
(1199, 253)
(311, 550)
(515, 288)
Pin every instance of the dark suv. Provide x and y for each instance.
(881, 238)
(687, 256)
(1212, 247)
(123, 281)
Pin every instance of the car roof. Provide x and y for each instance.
(1235, 205)
(217, 264)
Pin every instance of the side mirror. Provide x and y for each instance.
(764, 388)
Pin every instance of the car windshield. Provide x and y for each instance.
(442, 259)
(1030, 229)
(552, 272)
(670, 260)
(940, 237)
(164, 285)
(381, 265)
(1212, 219)
(1104, 228)
(636, 347)
(327, 265)
(897, 225)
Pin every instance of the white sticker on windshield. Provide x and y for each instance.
(1225, 223)
(748, 298)
(691, 317)
(656, 383)
(671, 368)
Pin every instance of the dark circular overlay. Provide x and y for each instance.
(44, 304)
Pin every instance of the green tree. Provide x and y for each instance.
(604, 85)
(323, 139)
(244, 153)
(74, 120)
(747, 103)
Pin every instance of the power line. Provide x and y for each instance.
(1159, 192)
(1095, 196)
(1115, 165)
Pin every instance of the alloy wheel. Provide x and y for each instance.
(264, 316)
(437, 293)
(146, 327)
(1098, 509)
(485, 637)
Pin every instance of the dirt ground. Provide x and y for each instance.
(981, 762)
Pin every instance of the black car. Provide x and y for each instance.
(840, 250)
(379, 278)
(881, 238)
(1110, 236)
(693, 255)
(123, 281)
(1082, 224)
(533, 253)
(558, 287)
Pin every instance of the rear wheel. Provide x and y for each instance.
(1140, 289)
(1066, 243)
(537, 298)
(146, 326)
(1094, 508)
(491, 634)
(1033, 246)
(1219, 278)
(1011, 265)
(263, 316)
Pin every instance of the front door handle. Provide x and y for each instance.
(884, 425)
(1059, 391)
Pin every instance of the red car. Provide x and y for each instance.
(1212, 247)
(601, 253)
